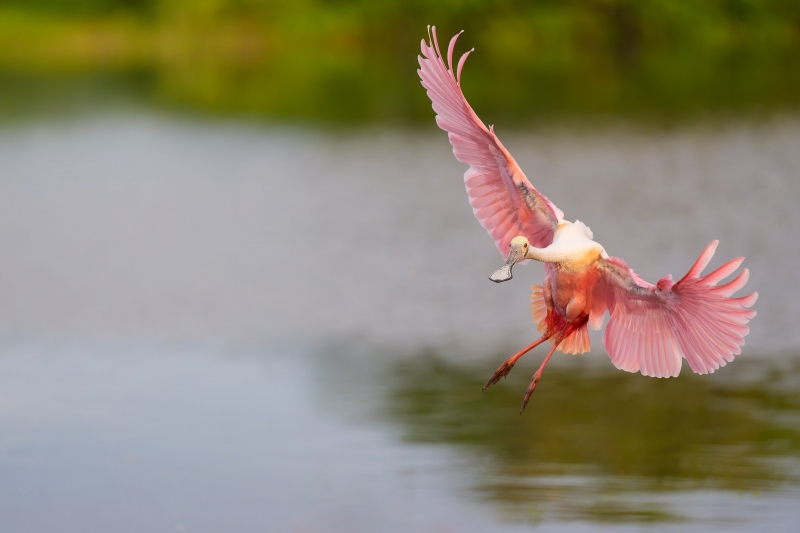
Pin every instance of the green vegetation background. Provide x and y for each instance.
(340, 61)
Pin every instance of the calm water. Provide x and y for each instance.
(211, 327)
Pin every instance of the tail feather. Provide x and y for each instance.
(576, 342)
(539, 308)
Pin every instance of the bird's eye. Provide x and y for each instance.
(525, 245)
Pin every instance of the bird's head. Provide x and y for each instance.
(518, 249)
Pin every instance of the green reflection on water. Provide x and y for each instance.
(594, 444)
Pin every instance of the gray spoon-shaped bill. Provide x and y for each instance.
(503, 273)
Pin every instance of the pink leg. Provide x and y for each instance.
(508, 364)
(538, 375)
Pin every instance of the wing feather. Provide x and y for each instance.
(502, 198)
(652, 327)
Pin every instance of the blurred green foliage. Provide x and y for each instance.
(595, 443)
(354, 61)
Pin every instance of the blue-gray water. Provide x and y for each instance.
(212, 327)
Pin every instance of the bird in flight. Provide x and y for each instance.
(652, 327)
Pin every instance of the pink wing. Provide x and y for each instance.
(653, 326)
(502, 198)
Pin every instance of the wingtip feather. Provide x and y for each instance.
(461, 62)
(702, 261)
(450, 49)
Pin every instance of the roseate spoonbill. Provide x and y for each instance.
(652, 327)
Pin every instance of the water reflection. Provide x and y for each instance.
(599, 444)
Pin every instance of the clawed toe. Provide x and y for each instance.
(531, 388)
(501, 372)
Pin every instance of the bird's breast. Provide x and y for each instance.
(572, 290)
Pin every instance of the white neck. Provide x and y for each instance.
(572, 248)
(551, 254)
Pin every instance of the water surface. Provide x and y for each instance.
(217, 326)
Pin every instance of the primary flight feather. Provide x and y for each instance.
(652, 327)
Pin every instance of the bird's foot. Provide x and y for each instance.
(501, 372)
(536, 377)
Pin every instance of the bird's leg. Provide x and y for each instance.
(503, 370)
(538, 375)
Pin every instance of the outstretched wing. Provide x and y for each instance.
(502, 198)
(653, 326)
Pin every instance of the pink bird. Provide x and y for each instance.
(652, 327)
